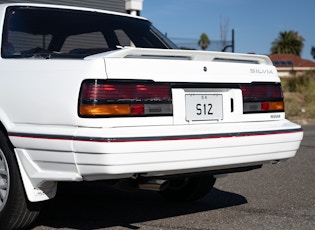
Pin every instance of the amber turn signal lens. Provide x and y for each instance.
(276, 106)
(105, 110)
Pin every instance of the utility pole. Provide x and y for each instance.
(232, 45)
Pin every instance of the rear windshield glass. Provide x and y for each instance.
(48, 33)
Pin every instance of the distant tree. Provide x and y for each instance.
(313, 52)
(288, 42)
(204, 41)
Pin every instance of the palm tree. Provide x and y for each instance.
(288, 42)
(313, 52)
(204, 41)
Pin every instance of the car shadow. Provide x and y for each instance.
(94, 206)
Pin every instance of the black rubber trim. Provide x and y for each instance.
(147, 138)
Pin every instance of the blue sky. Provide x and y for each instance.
(256, 23)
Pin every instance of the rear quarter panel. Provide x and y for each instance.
(44, 92)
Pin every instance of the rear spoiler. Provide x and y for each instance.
(172, 54)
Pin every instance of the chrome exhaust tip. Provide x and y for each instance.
(153, 185)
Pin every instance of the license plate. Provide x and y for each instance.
(201, 107)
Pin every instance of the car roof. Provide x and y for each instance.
(3, 7)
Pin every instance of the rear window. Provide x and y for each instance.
(49, 32)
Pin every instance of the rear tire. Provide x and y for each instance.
(188, 188)
(16, 212)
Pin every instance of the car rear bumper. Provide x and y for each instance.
(78, 153)
(156, 156)
(96, 153)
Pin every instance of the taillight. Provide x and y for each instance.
(262, 98)
(99, 98)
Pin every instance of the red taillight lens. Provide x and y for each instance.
(100, 98)
(262, 98)
(252, 92)
(125, 92)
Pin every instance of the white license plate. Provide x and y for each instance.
(201, 107)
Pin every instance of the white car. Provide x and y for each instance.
(89, 95)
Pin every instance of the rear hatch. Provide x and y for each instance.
(186, 86)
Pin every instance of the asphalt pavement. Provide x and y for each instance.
(278, 196)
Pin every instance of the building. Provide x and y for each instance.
(290, 65)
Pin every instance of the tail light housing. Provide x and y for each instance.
(100, 98)
(262, 98)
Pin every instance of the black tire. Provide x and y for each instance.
(16, 212)
(188, 188)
